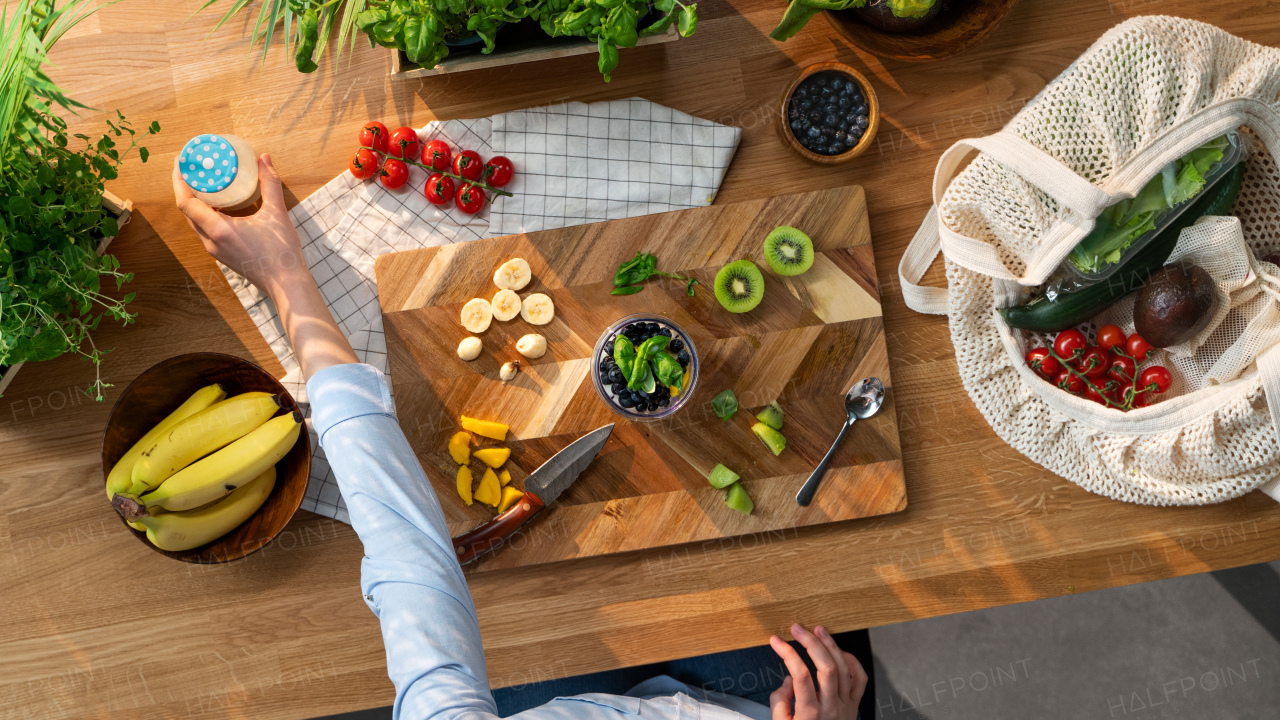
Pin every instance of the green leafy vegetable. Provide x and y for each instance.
(626, 281)
(624, 353)
(51, 213)
(1121, 224)
(800, 12)
(725, 404)
(668, 369)
(636, 379)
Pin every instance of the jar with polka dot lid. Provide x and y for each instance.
(221, 170)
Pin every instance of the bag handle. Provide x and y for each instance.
(1269, 373)
(915, 262)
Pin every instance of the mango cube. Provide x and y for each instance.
(488, 429)
(510, 496)
(464, 484)
(489, 491)
(505, 477)
(493, 457)
(460, 447)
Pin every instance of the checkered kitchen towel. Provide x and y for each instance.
(575, 164)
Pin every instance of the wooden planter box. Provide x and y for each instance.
(122, 209)
(520, 43)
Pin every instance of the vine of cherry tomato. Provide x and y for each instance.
(464, 179)
(1106, 373)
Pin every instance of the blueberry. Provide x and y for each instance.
(856, 133)
(626, 402)
(825, 93)
(829, 120)
(863, 122)
(819, 81)
(664, 401)
(814, 133)
(862, 108)
(683, 357)
(806, 105)
(797, 126)
(676, 345)
(857, 97)
(665, 332)
(841, 136)
(845, 103)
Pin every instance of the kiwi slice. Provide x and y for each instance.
(722, 477)
(788, 251)
(739, 286)
(771, 415)
(772, 439)
(738, 499)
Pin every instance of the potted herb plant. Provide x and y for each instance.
(54, 213)
(424, 30)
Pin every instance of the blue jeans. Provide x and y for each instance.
(752, 673)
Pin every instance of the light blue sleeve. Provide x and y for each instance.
(410, 577)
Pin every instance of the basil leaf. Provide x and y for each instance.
(669, 371)
(624, 353)
(725, 404)
(628, 290)
(688, 20)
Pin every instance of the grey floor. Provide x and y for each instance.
(1204, 647)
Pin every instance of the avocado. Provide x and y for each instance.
(899, 16)
(1175, 304)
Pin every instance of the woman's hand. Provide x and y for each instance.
(841, 679)
(263, 247)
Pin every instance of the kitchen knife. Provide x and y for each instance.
(540, 490)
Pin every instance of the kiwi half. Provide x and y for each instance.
(788, 251)
(739, 286)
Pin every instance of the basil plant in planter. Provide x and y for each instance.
(422, 29)
(51, 213)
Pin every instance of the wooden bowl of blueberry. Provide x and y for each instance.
(829, 113)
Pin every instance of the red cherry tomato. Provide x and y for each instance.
(1094, 362)
(1137, 347)
(374, 135)
(1043, 363)
(1155, 379)
(469, 199)
(1094, 395)
(364, 164)
(1119, 391)
(1111, 336)
(1071, 383)
(394, 174)
(437, 154)
(468, 164)
(499, 171)
(1142, 400)
(1069, 344)
(404, 143)
(439, 189)
(1122, 369)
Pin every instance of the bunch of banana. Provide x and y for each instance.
(204, 469)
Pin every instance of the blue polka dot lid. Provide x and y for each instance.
(208, 163)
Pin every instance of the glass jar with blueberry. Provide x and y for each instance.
(644, 367)
(830, 111)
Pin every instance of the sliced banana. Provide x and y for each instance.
(513, 274)
(532, 346)
(476, 315)
(469, 348)
(537, 309)
(506, 304)
(509, 370)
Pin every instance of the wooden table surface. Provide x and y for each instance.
(95, 625)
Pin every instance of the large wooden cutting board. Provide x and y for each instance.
(807, 342)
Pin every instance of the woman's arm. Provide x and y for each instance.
(409, 577)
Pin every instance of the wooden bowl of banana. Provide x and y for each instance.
(206, 457)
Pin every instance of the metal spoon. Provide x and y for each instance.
(861, 402)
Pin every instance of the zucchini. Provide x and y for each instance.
(1068, 309)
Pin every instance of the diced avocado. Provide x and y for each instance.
(722, 477)
(771, 438)
(739, 500)
(771, 415)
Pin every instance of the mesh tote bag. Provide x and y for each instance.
(1148, 92)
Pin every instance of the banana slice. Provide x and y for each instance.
(532, 346)
(476, 315)
(469, 348)
(509, 370)
(513, 274)
(506, 304)
(537, 309)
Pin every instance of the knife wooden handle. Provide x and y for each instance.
(493, 534)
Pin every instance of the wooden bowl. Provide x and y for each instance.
(956, 30)
(162, 388)
(873, 115)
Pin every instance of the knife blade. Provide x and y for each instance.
(541, 488)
